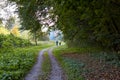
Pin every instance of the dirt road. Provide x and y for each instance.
(56, 73)
(36, 71)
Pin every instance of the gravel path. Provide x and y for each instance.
(56, 73)
(36, 70)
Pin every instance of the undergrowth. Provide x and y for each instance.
(74, 67)
(15, 63)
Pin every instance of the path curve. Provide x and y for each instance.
(36, 70)
(56, 73)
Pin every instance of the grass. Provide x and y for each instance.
(108, 57)
(15, 63)
(46, 68)
(72, 67)
(75, 68)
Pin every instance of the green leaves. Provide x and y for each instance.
(73, 69)
(10, 41)
(15, 64)
(92, 20)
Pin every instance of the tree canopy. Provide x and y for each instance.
(94, 21)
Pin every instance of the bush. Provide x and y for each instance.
(15, 64)
(9, 41)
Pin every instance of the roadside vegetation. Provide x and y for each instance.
(88, 63)
(72, 67)
(17, 56)
(11, 41)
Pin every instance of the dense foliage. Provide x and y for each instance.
(27, 13)
(94, 21)
(10, 41)
(15, 63)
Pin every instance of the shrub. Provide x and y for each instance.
(9, 41)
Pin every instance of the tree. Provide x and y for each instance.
(89, 20)
(29, 12)
(10, 23)
(94, 21)
(15, 31)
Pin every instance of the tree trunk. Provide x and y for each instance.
(35, 39)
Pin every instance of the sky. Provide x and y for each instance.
(8, 10)
(56, 35)
(51, 36)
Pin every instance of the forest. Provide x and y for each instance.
(91, 21)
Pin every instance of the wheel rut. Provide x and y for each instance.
(36, 71)
(56, 73)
